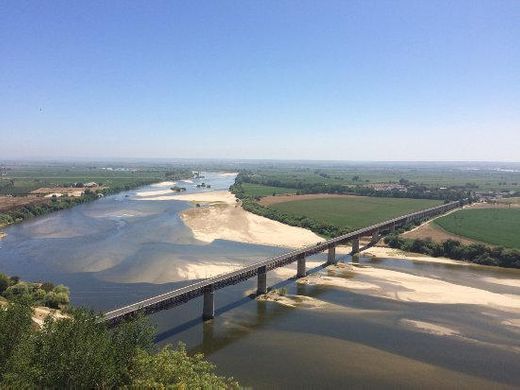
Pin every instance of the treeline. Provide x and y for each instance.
(81, 352)
(36, 294)
(250, 203)
(453, 249)
(413, 190)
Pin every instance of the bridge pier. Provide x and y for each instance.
(262, 280)
(208, 309)
(331, 255)
(375, 237)
(301, 271)
(355, 246)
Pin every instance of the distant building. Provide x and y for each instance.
(91, 184)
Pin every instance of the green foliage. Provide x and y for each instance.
(15, 326)
(45, 294)
(496, 226)
(81, 352)
(453, 249)
(5, 282)
(175, 367)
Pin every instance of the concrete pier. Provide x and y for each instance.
(207, 287)
(355, 245)
(331, 256)
(375, 237)
(262, 280)
(301, 272)
(208, 310)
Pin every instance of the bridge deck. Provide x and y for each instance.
(185, 294)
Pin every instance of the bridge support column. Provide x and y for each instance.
(355, 246)
(262, 281)
(208, 310)
(331, 256)
(375, 238)
(301, 271)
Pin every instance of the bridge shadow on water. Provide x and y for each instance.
(228, 307)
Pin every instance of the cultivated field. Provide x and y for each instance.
(353, 212)
(496, 226)
(261, 190)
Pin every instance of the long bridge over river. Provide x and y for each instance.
(208, 287)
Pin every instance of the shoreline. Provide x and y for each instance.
(221, 217)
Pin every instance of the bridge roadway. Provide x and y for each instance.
(207, 287)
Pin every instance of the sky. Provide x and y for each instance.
(319, 80)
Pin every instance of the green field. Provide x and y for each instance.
(261, 190)
(20, 180)
(353, 212)
(496, 226)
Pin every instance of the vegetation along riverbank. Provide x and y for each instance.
(27, 191)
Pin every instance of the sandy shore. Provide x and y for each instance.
(392, 253)
(222, 218)
(402, 286)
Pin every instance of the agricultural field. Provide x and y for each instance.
(353, 212)
(495, 226)
(23, 180)
(261, 190)
(471, 175)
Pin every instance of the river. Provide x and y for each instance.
(378, 323)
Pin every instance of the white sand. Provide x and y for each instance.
(405, 287)
(428, 327)
(515, 322)
(292, 300)
(154, 193)
(503, 282)
(164, 183)
(40, 314)
(206, 270)
(224, 219)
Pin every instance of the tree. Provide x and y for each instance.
(5, 282)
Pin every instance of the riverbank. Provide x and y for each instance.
(393, 253)
(220, 217)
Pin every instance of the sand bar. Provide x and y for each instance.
(222, 218)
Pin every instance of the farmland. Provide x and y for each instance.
(352, 212)
(495, 226)
(261, 190)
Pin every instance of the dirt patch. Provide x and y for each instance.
(436, 233)
(8, 203)
(269, 200)
(60, 191)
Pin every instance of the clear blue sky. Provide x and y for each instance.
(345, 80)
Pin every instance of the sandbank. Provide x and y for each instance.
(393, 253)
(428, 327)
(404, 287)
(222, 218)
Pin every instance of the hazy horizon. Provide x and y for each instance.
(335, 81)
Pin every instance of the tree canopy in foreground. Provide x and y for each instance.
(81, 352)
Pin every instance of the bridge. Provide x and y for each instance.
(208, 287)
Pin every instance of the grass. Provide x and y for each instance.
(261, 190)
(496, 226)
(353, 212)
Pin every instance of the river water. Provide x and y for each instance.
(380, 323)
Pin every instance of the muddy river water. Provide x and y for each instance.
(376, 323)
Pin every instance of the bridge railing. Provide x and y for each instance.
(213, 283)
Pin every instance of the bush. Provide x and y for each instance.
(476, 253)
(81, 352)
(5, 282)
